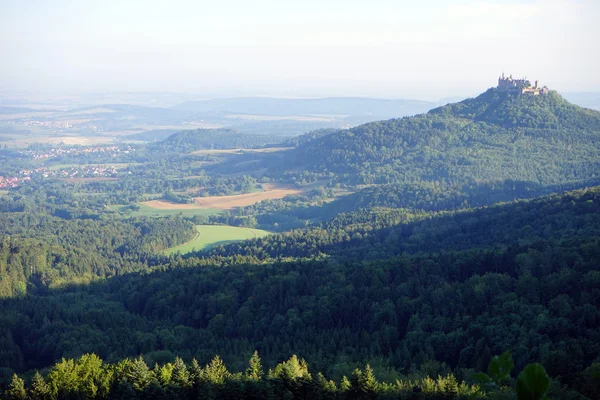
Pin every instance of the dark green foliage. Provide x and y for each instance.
(511, 111)
(455, 287)
(493, 138)
(209, 139)
(533, 383)
(417, 291)
(500, 368)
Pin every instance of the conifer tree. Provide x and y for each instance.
(255, 370)
(139, 375)
(368, 383)
(180, 374)
(216, 372)
(39, 389)
(345, 384)
(16, 389)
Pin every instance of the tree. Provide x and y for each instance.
(255, 370)
(16, 389)
(39, 389)
(368, 384)
(216, 372)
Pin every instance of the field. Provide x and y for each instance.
(221, 202)
(147, 211)
(68, 140)
(212, 235)
(241, 200)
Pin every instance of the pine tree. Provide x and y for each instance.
(368, 383)
(180, 386)
(195, 372)
(345, 384)
(39, 389)
(216, 372)
(180, 374)
(16, 389)
(255, 370)
(139, 375)
(324, 389)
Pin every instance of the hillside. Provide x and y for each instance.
(549, 111)
(494, 137)
(213, 139)
(454, 288)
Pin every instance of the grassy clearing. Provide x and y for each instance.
(212, 235)
(146, 211)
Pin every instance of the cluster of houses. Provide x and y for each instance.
(85, 171)
(11, 182)
(39, 154)
(46, 124)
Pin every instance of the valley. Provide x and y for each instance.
(413, 249)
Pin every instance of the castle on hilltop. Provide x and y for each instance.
(519, 86)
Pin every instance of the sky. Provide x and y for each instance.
(425, 49)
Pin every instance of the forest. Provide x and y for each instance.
(449, 255)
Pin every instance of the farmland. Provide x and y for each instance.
(242, 200)
(211, 235)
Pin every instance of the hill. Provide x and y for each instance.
(213, 139)
(494, 137)
(549, 111)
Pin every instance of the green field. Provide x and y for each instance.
(211, 235)
(146, 211)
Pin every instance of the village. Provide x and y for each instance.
(46, 153)
(85, 171)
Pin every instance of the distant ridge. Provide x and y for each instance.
(355, 106)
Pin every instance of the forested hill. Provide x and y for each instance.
(494, 137)
(381, 232)
(507, 110)
(209, 139)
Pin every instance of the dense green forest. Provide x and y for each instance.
(88, 377)
(39, 252)
(412, 252)
(213, 139)
(518, 276)
(464, 143)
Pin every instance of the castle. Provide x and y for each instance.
(519, 86)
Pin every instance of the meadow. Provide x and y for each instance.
(212, 235)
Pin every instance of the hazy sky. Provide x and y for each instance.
(419, 49)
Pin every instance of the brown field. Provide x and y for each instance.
(227, 202)
(69, 140)
(167, 205)
(239, 151)
(241, 200)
